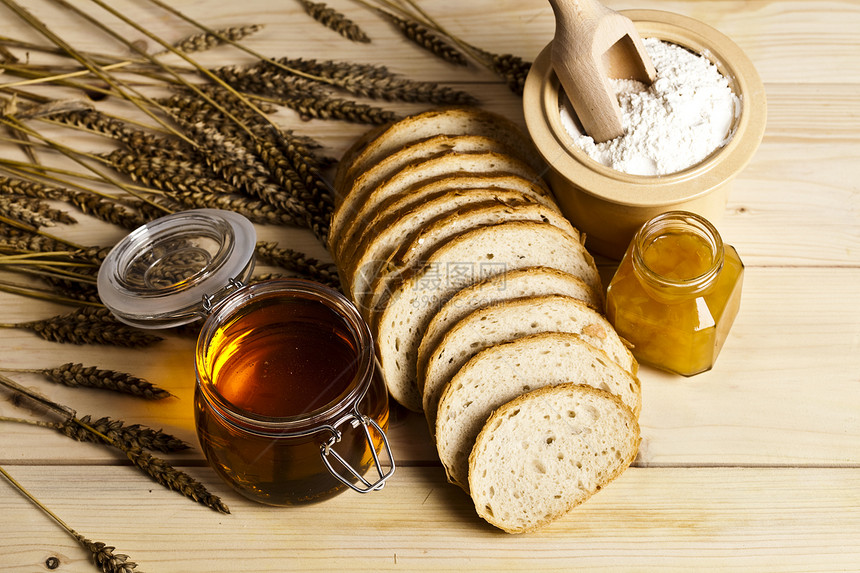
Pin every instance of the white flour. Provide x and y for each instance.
(674, 124)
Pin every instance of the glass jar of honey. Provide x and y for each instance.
(289, 406)
(676, 293)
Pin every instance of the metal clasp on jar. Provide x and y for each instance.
(210, 301)
(356, 419)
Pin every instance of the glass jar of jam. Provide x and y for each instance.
(676, 293)
(289, 406)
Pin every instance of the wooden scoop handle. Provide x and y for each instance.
(593, 43)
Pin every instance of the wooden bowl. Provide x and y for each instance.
(608, 205)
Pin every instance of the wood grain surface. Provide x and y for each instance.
(754, 465)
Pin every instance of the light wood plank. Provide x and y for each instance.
(794, 41)
(784, 390)
(648, 519)
(782, 399)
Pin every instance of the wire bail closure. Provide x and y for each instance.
(356, 419)
(212, 300)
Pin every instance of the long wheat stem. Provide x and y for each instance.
(64, 412)
(27, 421)
(37, 25)
(35, 231)
(237, 45)
(57, 77)
(103, 556)
(88, 325)
(99, 58)
(40, 294)
(74, 156)
(25, 170)
(164, 67)
(156, 468)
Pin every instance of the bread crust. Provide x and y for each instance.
(570, 495)
(415, 250)
(507, 321)
(504, 371)
(361, 207)
(358, 188)
(491, 250)
(530, 281)
(448, 120)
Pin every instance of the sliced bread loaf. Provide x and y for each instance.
(358, 188)
(415, 174)
(500, 373)
(508, 321)
(548, 451)
(413, 252)
(396, 208)
(531, 281)
(463, 261)
(376, 252)
(439, 121)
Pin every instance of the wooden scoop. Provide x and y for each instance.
(593, 43)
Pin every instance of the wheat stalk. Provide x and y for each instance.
(372, 81)
(156, 468)
(334, 20)
(264, 81)
(128, 93)
(325, 107)
(32, 212)
(133, 436)
(77, 375)
(22, 237)
(422, 36)
(157, 62)
(291, 260)
(105, 209)
(88, 325)
(103, 555)
(27, 188)
(206, 41)
(171, 478)
(62, 294)
(512, 69)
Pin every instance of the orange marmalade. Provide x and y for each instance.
(676, 293)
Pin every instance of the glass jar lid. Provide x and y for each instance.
(167, 272)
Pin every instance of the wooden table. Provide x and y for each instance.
(753, 465)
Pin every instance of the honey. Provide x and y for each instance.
(287, 361)
(676, 293)
(286, 381)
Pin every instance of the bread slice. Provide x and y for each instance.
(350, 155)
(378, 251)
(358, 188)
(412, 254)
(463, 261)
(394, 210)
(440, 121)
(508, 321)
(417, 173)
(500, 373)
(531, 281)
(548, 451)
